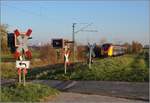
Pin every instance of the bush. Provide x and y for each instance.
(136, 47)
(47, 53)
(81, 53)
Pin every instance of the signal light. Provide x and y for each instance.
(17, 33)
(57, 43)
(11, 42)
(28, 33)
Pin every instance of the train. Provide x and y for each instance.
(109, 49)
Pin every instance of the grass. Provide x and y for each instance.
(132, 68)
(8, 64)
(9, 57)
(124, 68)
(8, 70)
(29, 93)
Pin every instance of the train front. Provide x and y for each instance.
(106, 50)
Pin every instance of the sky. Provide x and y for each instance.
(116, 21)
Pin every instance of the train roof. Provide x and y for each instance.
(113, 44)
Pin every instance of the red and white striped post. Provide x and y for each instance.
(19, 54)
(66, 56)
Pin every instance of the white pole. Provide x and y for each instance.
(90, 58)
(19, 76)
(65, 67)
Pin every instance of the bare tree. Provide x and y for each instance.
(136, 47)
(3, 38)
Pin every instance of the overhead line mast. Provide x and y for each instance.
(73, 36)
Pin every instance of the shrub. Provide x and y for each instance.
(136, 47)
(47, 53)
(81, 53)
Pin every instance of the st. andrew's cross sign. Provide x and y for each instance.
(22, 38)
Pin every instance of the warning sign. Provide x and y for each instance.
(22, 64)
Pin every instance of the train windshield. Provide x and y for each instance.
(105, 47)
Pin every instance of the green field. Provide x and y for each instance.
(8, 66)
(132, 68)
(29, 93)
(129, 67)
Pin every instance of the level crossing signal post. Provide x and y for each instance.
(62, 44)
(21, 51)
(91, 53)
(66, 57)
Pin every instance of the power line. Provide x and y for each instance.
(89, 30)
(83, 28)
(73, 36)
